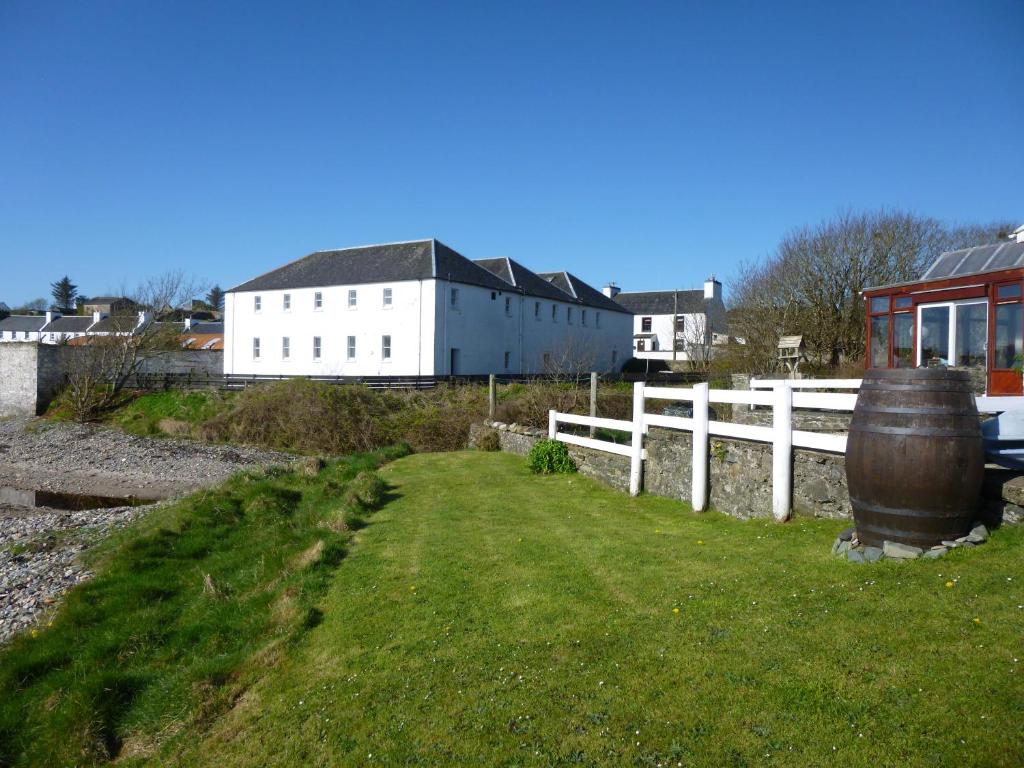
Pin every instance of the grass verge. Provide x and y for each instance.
(190, 607)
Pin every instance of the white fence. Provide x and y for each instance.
(782, 399)
(781, 395)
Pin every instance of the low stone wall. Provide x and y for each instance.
(740, 473)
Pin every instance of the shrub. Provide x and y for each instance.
(550, 457)
(368, 489)
(488, 440)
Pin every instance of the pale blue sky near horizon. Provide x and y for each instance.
(646, 143)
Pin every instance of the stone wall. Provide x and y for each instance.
(740, 472)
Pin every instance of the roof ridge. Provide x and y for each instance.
(369, 245)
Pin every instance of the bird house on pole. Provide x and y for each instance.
(791, 353)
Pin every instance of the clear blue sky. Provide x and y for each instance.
(647, 143)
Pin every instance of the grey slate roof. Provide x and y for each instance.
(116, 324)
(206, 328)
(22, 323)
(514, 273)
(581, 291)
(69, 324)
(662, 302)
(390, 262)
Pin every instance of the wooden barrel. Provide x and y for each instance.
(914, 459)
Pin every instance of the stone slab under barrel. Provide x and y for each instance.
(914, 457)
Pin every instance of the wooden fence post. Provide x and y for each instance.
(782, 453)
(593, 401)
(492, 396)
(699, 480)
(552, 424)
(637, 456)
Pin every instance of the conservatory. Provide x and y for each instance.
(965, 312)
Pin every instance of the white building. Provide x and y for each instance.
(418, 308)
(675, 325)
(23, 327)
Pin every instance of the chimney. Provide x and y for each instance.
(188, 323)
(49, 316)
(611, 290)
(712, 288)
(1018, 234)
(96, 317)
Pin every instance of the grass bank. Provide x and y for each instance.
(190, 608)
(489, 617)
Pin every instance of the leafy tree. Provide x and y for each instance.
(64, 293)
(215, 298)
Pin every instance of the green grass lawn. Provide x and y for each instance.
(486, 616)
(489, 617)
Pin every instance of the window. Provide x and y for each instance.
(256, 348)
(508, 306)
(583, 317)
(879, 304)
(316, 347)
(1011, 291)
(536, 310)
(350, 348)
(645, 325)
(902, 302)
(597, 324)
(494, 295)
(934, 342)
(568, 315)
(318, 300)
(385, 347)
(880, 341)
(454, 300)
(257, 303)
(640, 345)
(387, 297)
(1009, 339)
(903, 340)
(554, 313)
(971, 334)
(508, 359)
(286, 302)
(24, 334)
(286, 348)
(352, 298)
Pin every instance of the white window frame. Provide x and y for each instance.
(255, 347)
(583, 317)
(554, 313)
(536, 311)
(317, 348)
(257, 303)
(508, 306)
(350, 348)
(453, 298)
(387, 298)
(952, 327)
(353, 298)
(286, 348)
(286, 302)
(568, 315)
(318, 301)
(385, 347)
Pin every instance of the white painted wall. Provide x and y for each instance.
(691, 325)
(408, 321)
(424, 327)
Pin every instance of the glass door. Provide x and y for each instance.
(954, 334)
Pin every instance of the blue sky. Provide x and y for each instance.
(646, 143)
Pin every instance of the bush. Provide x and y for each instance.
(367, 489)
(550, 457)
(488, 440)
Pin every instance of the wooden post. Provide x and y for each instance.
(782, 453)
(552, 424)
(492, 396)
(699, 480)
(593, 401)
(637, 456)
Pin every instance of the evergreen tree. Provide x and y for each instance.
(64, 293)
(215, 298)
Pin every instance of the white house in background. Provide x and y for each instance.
(61, 329)
(418, 308)
(675, 325)
(24, 327)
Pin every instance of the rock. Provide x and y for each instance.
(872, 554)
(935, 552)
(846, 534)
(840, 547)
(978, 534)
(951, 544)
(1012, 514)
(900, 551)
(855, 556)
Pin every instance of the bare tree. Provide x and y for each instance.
(812, 284)
(694, 338)
(103, 366)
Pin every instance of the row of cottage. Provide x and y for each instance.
(422, 308)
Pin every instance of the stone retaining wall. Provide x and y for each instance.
(740, 475)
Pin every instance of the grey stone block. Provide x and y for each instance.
(935, 552)
(855, 556)
(900, 551)
(872, 554)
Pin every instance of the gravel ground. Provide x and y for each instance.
(39, 547)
